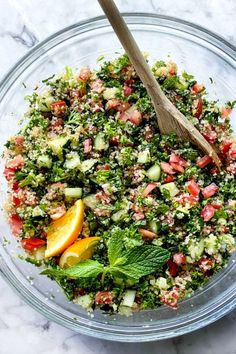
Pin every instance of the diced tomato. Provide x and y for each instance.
(58, 212)
(173, 268)
(101, 195)
(15, 186)
(225, 112)
(179, 258)
(75, 94)
(149, 189)
(138, 299)
(204, 161)
(104, 167)
(166, 167)
(216, 205)
(135, 117)
(58, 108)
(169, 179)
(16, 224)
(19, 140)
(103, 297)
(170, 298)
(210, 190)
(9, 173)
(210, 136)
(115, 140)
(172, 68)
(123, 106)
(138, 216)
(177, 160)
(31, 244)
(232, 151)
(97, 86)
(129, 82)
(197, 88)
(128, 90)
(197, 107)
(58, 122)
(186, 198)
(85, 74)
(112, 103)
(87, 146)
(225, 146)
(16, 163)
(207, 212)
(147, 234)
(231, 168)
(205, 264)
(193, 188)
(177, 167)
(214, 171)
(15, 200)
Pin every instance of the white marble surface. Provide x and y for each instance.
(22, 24)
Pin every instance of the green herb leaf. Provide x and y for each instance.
(141, 260)
(84, 269)
(115, 247)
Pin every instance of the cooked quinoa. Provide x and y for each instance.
(94, 135)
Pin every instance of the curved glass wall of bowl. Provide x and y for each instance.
(195, 51)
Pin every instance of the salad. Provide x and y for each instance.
(121, 217)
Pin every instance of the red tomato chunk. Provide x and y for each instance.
(31, 244)
(210, 190)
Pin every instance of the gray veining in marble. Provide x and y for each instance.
(22, 24)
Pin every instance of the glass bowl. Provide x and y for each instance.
(195, 50)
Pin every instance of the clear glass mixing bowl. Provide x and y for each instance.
(195, 50)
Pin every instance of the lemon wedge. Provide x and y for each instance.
(64, 231)
(80, 250)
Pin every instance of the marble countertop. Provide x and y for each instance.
(23, 23)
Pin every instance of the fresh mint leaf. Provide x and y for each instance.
(115, 247)
(84, 269)
(141, 261)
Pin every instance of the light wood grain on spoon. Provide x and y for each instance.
(169, 118)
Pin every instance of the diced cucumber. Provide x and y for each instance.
(154, 173)
(91, 201)
(129, 298)
(71, 193)
(37, 211)
(45, 102)
(100, 142)
(72, 161)
(182, 84)
(196, 249)
(181, 212)
(85, 301)
(162, 283)
(44, 161)
(86, 165)
(144, 156)
(57, 144)
(119, 215)
(171, 187)
(154, 226)
(39, 254)
(125, 311)
(110, 92)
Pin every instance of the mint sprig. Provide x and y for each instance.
(84, 269)
(134, 263)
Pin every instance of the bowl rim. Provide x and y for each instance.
(229, 303)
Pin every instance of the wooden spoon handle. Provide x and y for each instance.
(136, 57)
(168, 117)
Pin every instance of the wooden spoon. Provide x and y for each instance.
(169, 118)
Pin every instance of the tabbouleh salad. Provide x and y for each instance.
(123, 218)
